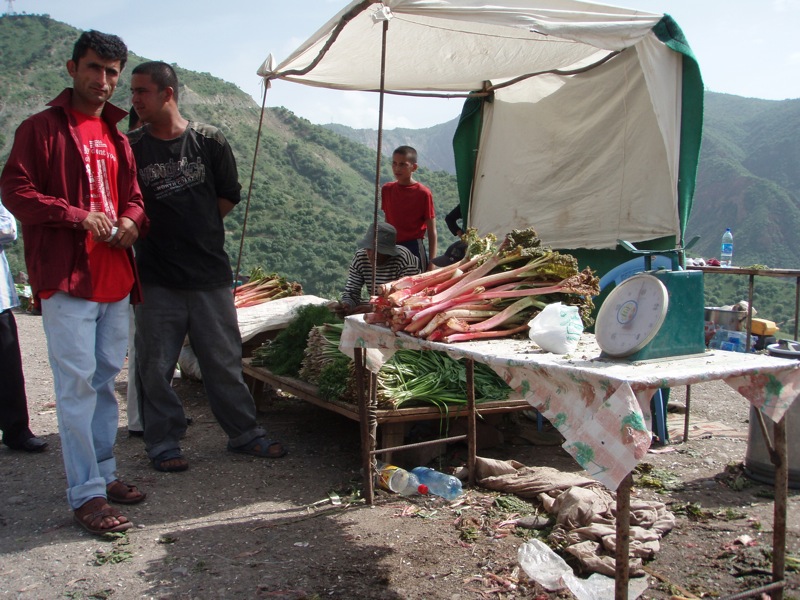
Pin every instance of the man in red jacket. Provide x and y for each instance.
(71, 181)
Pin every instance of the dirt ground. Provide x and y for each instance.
(296, 528)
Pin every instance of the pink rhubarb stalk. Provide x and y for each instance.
(478, 335)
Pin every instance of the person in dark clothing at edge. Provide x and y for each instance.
(14, 420)
(452, 219)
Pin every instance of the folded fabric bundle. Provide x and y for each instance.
(584, 511)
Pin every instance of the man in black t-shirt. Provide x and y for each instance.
(187, 173)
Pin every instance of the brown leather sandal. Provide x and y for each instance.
(95, 513)
(122, 493)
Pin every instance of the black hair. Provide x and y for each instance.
(407, 151)
(162, 74)
(106, 45)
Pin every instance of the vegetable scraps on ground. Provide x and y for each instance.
(262, 287)
(488, 294)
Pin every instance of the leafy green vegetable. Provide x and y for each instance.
(284, 354)
(334, 378)
(432, 377)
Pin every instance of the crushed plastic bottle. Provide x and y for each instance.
(440, 484)
(400, 481)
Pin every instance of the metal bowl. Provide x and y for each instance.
(732, 320)
(785, 349)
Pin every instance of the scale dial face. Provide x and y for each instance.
(631, 315)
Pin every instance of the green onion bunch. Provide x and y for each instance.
(284, 354)
(432, 377)
(322, 349)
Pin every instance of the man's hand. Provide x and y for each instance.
(341, 309)
(337, 308)
(99, 225)
(127, 234)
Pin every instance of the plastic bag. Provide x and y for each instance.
(189, 365)
(557, 328)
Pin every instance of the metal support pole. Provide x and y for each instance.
(796, 306)
(749, 311)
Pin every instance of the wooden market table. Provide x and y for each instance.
(392, 422)
(601, 407)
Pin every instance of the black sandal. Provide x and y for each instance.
(260, 447)
(160, 461)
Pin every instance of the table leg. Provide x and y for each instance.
(749, 322)
(392, 434)
(367, 459)
(686, 415)
(471, 431)
(623, 538)
(779, 509)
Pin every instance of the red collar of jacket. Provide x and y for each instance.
(111, 114)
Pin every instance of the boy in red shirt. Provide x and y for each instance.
(408, 206)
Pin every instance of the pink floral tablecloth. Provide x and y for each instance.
(601, 407)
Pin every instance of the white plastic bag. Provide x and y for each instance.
(557, 328)
(189, 365)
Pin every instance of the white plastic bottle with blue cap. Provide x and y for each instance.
(726, 253)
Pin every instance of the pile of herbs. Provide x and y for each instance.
(325, 366)
(284, 354)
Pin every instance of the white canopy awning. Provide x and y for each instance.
(582, 139)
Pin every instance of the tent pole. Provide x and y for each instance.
(376, 205)
(372, 417)
(250, 186)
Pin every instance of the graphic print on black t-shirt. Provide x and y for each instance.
(172, 177)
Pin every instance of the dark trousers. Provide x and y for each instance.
(13, 403)
(417, 248)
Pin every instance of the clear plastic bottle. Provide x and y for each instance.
(440, 484)
(726, 252)
(399, 480)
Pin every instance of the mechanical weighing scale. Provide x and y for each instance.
(655, 314)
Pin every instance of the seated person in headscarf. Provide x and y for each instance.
(391, 263)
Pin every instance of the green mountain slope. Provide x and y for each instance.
(312, 191)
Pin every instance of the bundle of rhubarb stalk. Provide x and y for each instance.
(263, 287)
(491, 293)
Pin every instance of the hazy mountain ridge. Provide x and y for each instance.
(433, 144)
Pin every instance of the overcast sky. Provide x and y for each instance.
(744, 47)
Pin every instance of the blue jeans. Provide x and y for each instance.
(86, 343)
(209, 318)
